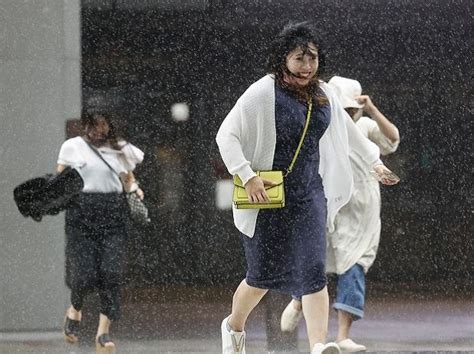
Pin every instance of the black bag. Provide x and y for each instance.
(49, 194)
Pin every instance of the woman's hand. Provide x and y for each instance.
(365, 100)
(255, 188)
(385, 176)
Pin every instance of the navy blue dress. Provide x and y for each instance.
(288, 250)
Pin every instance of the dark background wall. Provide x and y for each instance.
(412, 57)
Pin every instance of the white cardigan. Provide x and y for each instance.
(247, 139)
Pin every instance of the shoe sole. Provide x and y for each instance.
(351, 350)
(70, 339)
(224, 330)
(331, 351)
(104, 350)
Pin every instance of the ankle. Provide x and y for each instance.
(232, 327)
(104, 325)
(73, 314)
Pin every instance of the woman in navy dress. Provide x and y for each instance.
(288, 248)
(285, 249)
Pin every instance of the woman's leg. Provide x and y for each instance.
(110, 299)
(350, 301)
(104, 324)
(113, 249)
(74, 314)
(109, 310)
(344, 322)
(81, 252)
(71, 325)
(74, 311)
(103, 340)
(81, 286)
(316, 314)
(245, 299)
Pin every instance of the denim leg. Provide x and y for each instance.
(350, 293)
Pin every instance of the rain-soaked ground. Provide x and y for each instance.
(185, 320)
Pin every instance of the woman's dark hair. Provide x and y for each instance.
(293, 36)
(89, 119)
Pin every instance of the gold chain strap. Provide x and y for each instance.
(308, 117)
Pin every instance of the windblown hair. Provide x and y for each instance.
(89, 119)
(293, 36)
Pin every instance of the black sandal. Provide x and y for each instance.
(71, 330)
(101, 343)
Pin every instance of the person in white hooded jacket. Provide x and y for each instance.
(352, 245)
(285, 248)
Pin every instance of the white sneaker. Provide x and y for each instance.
(232, 342)
(290, 318)
(348, 345)
(328, 348)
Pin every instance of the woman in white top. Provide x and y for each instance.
(285, 248)
(96, 224)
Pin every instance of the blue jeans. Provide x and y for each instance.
(350, 293)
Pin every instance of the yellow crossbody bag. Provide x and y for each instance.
(276, 193)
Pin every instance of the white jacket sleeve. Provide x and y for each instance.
(367, 150)
(229, 140)
(385, 144)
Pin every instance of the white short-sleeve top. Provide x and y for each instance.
(97, 176)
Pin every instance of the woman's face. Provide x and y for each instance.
(303, 64)
(99, 131)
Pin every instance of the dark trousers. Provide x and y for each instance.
(96, 232)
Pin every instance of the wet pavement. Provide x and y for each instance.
(159, 321)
